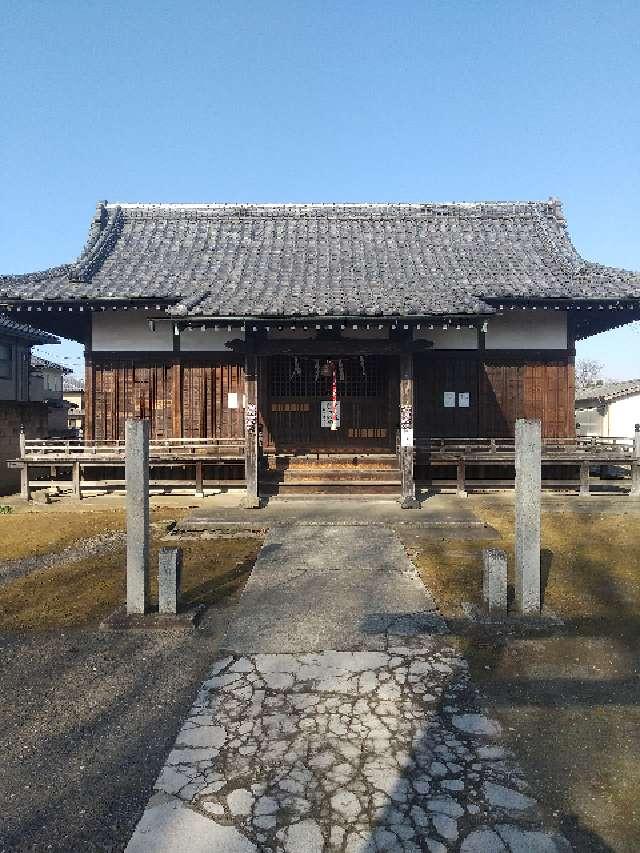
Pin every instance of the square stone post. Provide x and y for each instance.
(408, 486)
(635, 465)
(169, 576)
(251, 431)
(528, 494)
(76, 476)
(494, 580)
(137, 483)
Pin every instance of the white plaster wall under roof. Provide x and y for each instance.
(527, 330)
(128, 331)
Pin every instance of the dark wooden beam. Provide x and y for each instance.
(335, 348)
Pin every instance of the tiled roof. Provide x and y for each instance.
(42, 363)
(608, 390)
(243, 260)
(26, 332)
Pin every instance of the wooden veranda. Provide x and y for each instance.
(468, 464)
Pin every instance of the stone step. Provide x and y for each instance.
(387, 461)
(323, 475)
(331, 487)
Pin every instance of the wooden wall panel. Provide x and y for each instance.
(501, 388)
(129, 390)
(433, 377)
(205, 412)
(509, 390)
(179, 398)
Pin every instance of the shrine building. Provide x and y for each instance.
(327, 331)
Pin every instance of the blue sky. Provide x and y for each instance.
(321, 101)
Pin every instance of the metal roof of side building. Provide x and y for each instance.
(288, 260)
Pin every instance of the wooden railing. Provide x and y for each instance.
(578, 447)
(165, 448)
(192, 463)
(491, 456)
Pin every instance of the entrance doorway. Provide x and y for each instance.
(300, 410)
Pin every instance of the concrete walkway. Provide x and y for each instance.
(341, 719)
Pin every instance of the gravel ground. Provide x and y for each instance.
(86, 721)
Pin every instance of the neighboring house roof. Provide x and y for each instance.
(607, 391)
(42, 364)
(25, 332)
(251, 260)
(72, 383)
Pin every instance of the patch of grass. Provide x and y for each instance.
(41, 532)
(568, 699)
(77, 594)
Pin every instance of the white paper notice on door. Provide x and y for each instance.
(463, 400)
(406, 437)
(449, 399)
(326, 413)
(232, 400)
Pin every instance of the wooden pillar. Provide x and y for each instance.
(176, 398)
(252, 499)
(408, 487)
(635, 465)
(89, 431)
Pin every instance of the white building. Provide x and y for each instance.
(608, 409)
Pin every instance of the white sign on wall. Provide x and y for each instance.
(463, 400)
(449, 399)
(232, 400)
(326, 413)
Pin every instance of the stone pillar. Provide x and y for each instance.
(635, 465)
(76, 475)
(252, 499)
(25, 491)
(408, 486)
(584, 480)
(528, 490)
(169, 576)
(137, 482)
(199, 490)
(494, 580)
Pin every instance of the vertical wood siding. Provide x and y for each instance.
(501, 390)
(205, 412)
(544, 391)
(436, 375)
(123, 391)
(179, 399)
